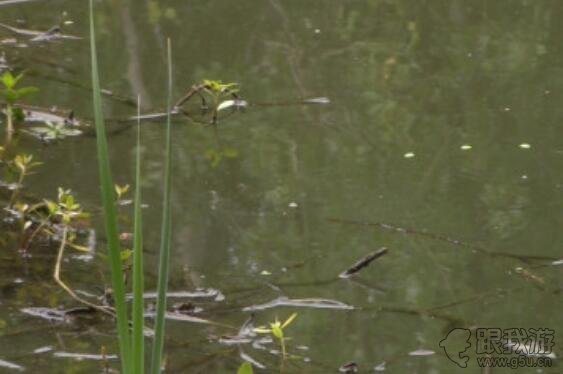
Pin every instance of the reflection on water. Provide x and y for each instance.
(443, 123)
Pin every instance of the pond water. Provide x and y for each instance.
(442, 142)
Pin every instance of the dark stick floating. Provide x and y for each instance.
(364, 262)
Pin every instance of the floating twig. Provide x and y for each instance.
(362, 263)
(300, 303)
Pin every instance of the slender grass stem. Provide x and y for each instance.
(110, 210)
(166, 233)
(138, 278)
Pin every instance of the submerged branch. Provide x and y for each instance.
(443, 238)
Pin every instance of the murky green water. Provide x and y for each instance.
(410, 84)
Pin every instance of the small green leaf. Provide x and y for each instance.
(245, 368)
(126, 254)
(277, 331)
(26, 91)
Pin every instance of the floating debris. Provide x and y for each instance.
(11, 2)
(54, 33)
(84, 356)
(529, 276)
(408, 155)
(422, 352)
(56, 315)
(300, 303)
(350, 367)
(380, 367)
(199, 293)
(558, 262)
(525, 146)
(181, 317)
(363, 263)
(465, 147)
(49, 314)
(11, 365)
(50, 115)
(245, 334)
(235, 104)
(45, 349)
(265, 272)
(317, 100)
(293, 204)
(441, 237)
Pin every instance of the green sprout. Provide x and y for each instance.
(12, 95)
(23, 164)
(217, 87)
(219, 92)
(66, 208)
(120, 193)
(277, 331)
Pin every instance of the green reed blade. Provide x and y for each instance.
(138, 277)
(165, 233)
(110, 213)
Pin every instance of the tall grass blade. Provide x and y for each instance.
(110, 213)
(138, 342)
(165, 233)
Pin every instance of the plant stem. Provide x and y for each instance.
(138, 279)
(110, 211)
(57, 277)
(17, 189)
(9, 119)
(165, 236)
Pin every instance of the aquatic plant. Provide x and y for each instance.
(54, 131)
(131, 345)
(23, 164)
(12, 95)
(110, 213)
(215, 90)
(277, 330)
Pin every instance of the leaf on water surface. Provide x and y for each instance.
(11, 365)
(362, 263)
(300, 303)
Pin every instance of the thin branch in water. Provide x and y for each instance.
(443, 238)
(57, 277)
(362, 263)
